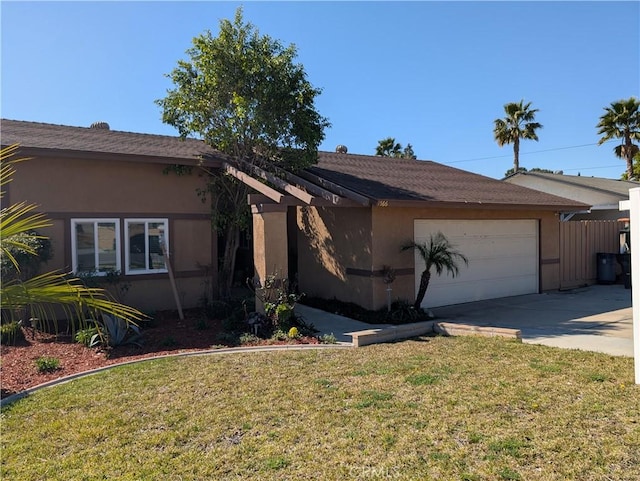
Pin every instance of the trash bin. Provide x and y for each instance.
(606, 270)
(625, 262)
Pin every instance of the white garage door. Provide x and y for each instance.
(503, 260)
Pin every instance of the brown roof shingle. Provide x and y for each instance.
(36, 135)
(383, 178)
(378, 178)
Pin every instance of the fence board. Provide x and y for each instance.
(580, 242)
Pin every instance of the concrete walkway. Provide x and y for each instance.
(595, 318)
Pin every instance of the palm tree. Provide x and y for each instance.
(621, 120)
(438, 253)
(518, 124)
(388, 148)
(52, 294)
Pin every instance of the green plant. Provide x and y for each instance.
(279, 302)
(328, 339)
(115, 331)
(437, 253)
(85, 336)
(248, 338)
(279, 335)
(47, 364)
(403, 311)
(10, 332)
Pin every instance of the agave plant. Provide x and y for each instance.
(115, 331)
(52, 295)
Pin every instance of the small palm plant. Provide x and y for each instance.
(437, 253)
(44, 296)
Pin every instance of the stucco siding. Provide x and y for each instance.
(75, 188)
(77, 185)
(332, 244)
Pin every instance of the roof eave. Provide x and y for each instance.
(479, 205)
(205, 160)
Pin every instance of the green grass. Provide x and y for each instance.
(435, 408)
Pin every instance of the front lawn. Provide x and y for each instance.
(434, 408)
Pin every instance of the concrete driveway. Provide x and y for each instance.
(595, 318)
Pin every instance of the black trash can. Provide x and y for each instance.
(606, 270)
(625, 262)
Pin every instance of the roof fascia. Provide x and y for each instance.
(115, 156)
(479, 205)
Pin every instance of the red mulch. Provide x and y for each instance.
(165, 336)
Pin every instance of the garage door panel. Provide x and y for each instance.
(503, 260)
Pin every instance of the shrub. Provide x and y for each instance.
(47, 364)
(328, 339)
(248, 338)
(84, 336)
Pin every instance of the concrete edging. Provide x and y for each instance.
(404, 331)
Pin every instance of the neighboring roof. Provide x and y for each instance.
(606, 186)
(43, 139)
(406, 181)
(364, 179)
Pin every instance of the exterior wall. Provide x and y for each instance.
(342, 251)
(333, 243)
(76, 188)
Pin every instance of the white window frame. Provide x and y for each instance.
(146, 221)
(74, 243)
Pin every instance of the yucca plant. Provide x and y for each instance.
(49, 296)
(437, 253)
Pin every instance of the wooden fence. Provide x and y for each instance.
(580, 242)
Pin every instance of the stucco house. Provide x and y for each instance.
(602, 194)
(333, 226)
(110, 204)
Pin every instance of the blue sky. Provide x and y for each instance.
(433, 74)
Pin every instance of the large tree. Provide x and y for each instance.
(243, 94)
(518, 123)
(621, 120)
(390, 148)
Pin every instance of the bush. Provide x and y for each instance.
(10, 333)
(84, 336)
(47, 364)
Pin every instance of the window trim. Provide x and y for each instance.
(146, 221)
(74, 243)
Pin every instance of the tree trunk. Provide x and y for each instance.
(424, 283)
(516, 156)
(228, 264)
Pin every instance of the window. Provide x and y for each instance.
(95, 245)
(144, 241)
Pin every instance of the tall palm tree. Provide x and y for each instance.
(519, 123)
(437, 253)
(52, 294)
(621, 120)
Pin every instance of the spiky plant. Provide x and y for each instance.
(439, 254)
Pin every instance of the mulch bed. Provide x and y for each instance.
(166, 335)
